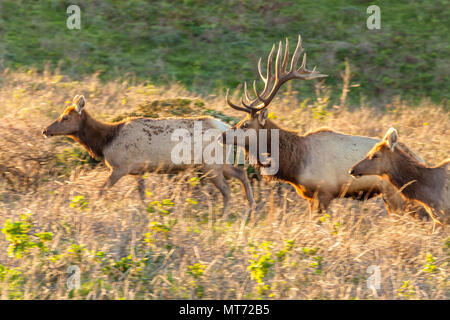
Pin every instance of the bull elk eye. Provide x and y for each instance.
(375, 156)
(245, 125)
(64, 118)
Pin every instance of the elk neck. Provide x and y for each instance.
(292, 153)
(429, 181)
(94, 135)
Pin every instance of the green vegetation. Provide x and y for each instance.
(14, 279)
(210, 45)
(430, 266)
(18, 233)
(79, 202)
(72, 157)
(196, 271)
(406, 290)
(178, 107)
(178, 245)
(260, 265)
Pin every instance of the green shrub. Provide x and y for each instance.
(22, 239)
(72, 157)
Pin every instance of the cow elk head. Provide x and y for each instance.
(69, 122)
(379, 158)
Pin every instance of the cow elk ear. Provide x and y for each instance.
(391, 138)
(79, 102)
(262, 116)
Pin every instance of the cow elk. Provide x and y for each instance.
(430, 186)
(138, 145)
(316, 163)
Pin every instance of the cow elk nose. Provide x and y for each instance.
(45, 133)
(351, 171)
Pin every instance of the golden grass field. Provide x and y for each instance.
(179, 245)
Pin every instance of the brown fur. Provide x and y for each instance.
(417, 181)
(94, 135)
(303, 164)
(292, 151)
(138, 145)
(429, 181)
(315, 163)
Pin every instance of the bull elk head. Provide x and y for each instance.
(256, 108)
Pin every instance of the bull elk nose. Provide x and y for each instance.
(351, 171)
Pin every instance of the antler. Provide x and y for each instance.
(276, 80)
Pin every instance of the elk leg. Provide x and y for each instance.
(392, 198)
(114, 176)
(219, 181)
(311, 206)
(231, 171)
(324, 201)
(394, 202)
(320, 202)
(141, 187)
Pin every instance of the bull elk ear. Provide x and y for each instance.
(262, 116)
(391, 138)
(79, 102)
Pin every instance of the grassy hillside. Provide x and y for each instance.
(178, 244)
(208, 45)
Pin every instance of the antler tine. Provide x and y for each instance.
(280, 70)
(302, 67)
(286, 57)
(227, 98)
(244, 104)
(269, 64)
(254, 89)
(247, 104)
(305, 74)
(264, 79)
(294, 73)
(278, 62)
(261, 106)
(248, 100)
(278, 79)
(269, 78)
(298, 51)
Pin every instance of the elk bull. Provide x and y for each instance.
(430, 186)
(317, 163)
(138, 145)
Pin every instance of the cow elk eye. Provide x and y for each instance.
(245, 125)
(375, 156)
(65, 118)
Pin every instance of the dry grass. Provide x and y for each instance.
(184, 248)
